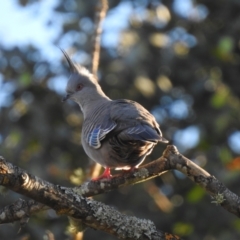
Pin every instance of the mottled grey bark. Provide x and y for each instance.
(73, 202)
(66, 202)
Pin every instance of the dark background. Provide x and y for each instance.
(179, 59)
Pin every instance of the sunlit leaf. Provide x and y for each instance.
(145, 86)
(236, 224)
(225, 45)
(164, 83)
(183, 229)
(13, 139)
(219, 98)
(195, 194)
(225, 155)
(224, 49)
(159, 40)
(25, 79)
(181, 48)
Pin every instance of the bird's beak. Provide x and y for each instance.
(66, 97)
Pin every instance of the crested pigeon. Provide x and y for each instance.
(117, 134)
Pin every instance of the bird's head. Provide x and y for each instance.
(80, 82)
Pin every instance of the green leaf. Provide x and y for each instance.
(219, 99)
(236, 224)
(225, 45)
(13, 139)
(195, 194)
(183, 229)
(225, 155)
(25, 79)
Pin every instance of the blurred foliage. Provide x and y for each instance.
(184, 66)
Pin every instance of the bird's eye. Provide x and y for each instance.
(79, 87)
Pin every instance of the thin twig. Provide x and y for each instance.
(101, 11)
(100, 15)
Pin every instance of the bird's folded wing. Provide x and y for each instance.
(135, 122)
(140, 133)
(99, 132)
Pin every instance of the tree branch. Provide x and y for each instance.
(23, 209)
(171, 159)
(100, 15)
(64, 201)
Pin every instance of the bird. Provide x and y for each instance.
(117, 134)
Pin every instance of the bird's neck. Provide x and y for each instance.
(93, 99)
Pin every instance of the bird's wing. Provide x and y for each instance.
(134, 122)
(140, 133)
(127, 120)
(99, 132)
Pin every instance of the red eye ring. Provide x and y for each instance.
(79, 87)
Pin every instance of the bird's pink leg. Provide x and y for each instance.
(106, 174)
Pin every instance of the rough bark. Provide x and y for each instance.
(73, 202)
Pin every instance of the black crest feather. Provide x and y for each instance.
(70, 63)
